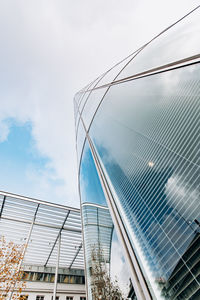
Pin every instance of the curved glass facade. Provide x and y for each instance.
(98, 229)
(138, 144)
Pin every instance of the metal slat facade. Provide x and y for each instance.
(17, 213)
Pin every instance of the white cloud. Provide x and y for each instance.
(119, 269)
(183, 197)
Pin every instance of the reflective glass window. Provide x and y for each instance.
(86, 95)
(66, 279)
(119, 270)
(179, 42)
(146, 133)
(39, 297)
(80, 140)
(77, 98)
(98, 229)
(83, 99)
(90, 187)
(92, 105)
(87, 92)
(94, 83)
(113, 72)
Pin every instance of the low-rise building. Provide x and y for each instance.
(40, 283)
(51, 237)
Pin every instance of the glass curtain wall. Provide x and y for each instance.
(101, 245)
(139, 155)
(98, 229)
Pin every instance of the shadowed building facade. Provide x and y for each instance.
(137, 130)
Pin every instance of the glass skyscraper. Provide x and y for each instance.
(138, 146)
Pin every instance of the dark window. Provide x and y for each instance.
(66, 279)
(52, 277)
(39, 297)
(71, 279)
(69, 298)
(78, 279)
(40, 276)
(47, 277)
(82, 298)
(61, 278)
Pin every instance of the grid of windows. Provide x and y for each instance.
(49, 277)
(98, 230)
(39, 297)
(156, 176)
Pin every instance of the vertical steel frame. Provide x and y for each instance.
(57, 266)
(25, 247)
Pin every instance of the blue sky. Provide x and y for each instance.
(49, 50)
(22, 165)
(18, 148)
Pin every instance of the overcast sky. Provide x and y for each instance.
(49, 50)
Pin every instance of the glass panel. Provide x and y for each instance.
(179, 42)
(71, 279)
(112, 73)
(107, 77)
(119, 270)
(90, 187)
(31, 278)
(98, 228)
(86, 95)
(34, 277)
(75, 111)
(103, 79)
(87, 91)
(80, 140)
(66, 279)
(146, 133)
(83, 100)
(47, 277)
(103, 251)
(94, 83)
(77, 99)
(91, 105)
